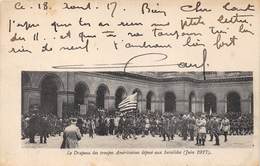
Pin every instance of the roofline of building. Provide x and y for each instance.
(184, 78)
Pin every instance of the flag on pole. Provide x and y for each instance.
(129, 103)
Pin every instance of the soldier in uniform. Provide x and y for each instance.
(91, 128)
(202, 130)
(116, 123)
(209, 126)
(80, 125)
(225, 127)
(215, 130)
(143, 123)
(172, 127)
(126, 129)
(59, 126)
(111, 126)
(132, 127)
(146, 126)
(236, 126)
(197, 120)
(120, 126)
(191, 127)
(32, 127)
(153, 127)
(43, 129)
(165, 128)
(184, 127)
(160, 126)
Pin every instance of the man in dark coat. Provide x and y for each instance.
(32, 127)
(43, 129)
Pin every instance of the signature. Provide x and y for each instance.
(161, 57)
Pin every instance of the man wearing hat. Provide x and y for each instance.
(71, 135)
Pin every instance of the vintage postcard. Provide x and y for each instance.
(129, 82)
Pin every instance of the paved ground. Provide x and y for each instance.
(146, 142)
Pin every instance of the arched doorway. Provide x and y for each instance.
(150, 105)
(102, 97)
(233, 102)
(169, 102)
(81, 92)
(210, 103)
(192, 102)
(139, 99)
(119, 95)
(49, 88)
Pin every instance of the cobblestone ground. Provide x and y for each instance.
(145, 142)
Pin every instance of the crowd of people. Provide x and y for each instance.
(189, 126)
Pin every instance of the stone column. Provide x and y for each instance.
(26, 98)
(153, 105)
(86, 102)
(111, 103)
(64, 98)
(161, 103)
(91, 101)
(106, 102)
(60, 102)
(34, 98)
(180, 106)
(185, 105)
(143, 105)
(199, 106)
(221, 106)
(245, 105)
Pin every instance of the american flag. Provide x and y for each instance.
(129, 103)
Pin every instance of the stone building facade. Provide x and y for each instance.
(163, 92)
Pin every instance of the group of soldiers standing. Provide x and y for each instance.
(168, 126)
(188, 126)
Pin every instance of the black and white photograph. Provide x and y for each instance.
(64, 110)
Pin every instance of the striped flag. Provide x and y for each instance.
(129, 103)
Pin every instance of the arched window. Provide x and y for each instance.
(210, 103)
(150, 101)
(102, 93)
(233, 102)
(169, 102)
(49, 87)
(81, 92)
